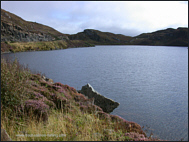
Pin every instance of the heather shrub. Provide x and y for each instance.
(83, 108)
(136, 136)
(38, 96)
(59, 100)
(69, 115)
(45, 92)
(79, 97)
(38, 107)
(35, 77)
(46, 84)
(103, 115)
(13, 83)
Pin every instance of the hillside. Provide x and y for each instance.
(14, 28)
(20, 35)
(167, 37)
(34, 108)
(98, 37)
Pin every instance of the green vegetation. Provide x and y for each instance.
(42, 45)
(66, 119)
(37, 46)
(35, 108)
(13, 77)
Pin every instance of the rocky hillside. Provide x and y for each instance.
(14, 28)
(167, 37)
(98, 37)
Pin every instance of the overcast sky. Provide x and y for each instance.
(130, 18)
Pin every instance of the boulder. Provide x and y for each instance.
(106, 104)
(47, 79)
(5, 136)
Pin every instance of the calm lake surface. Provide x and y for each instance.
(149, 82)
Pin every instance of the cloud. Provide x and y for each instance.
(124, 17)
(160, 14)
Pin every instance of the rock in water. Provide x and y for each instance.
(106, 104)
(5, 136)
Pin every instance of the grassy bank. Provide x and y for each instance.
(36, 108)
(42, 45)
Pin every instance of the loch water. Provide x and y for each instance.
(149, 82)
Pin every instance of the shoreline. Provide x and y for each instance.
(7, 52)
(48, 95)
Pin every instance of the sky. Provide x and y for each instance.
(129, 18)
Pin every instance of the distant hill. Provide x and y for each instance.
(14, 28)
(98, 37)
(167, 37)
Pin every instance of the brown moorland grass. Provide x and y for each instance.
(61, 124)
(42, 45)
(69, 115)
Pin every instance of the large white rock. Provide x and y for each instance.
(106, 104)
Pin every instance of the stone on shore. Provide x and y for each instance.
(106, 104)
